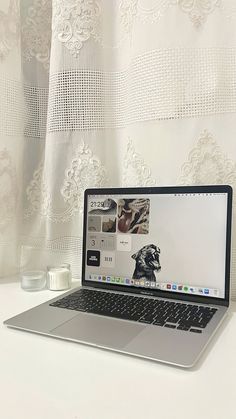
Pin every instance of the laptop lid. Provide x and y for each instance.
(171, 242)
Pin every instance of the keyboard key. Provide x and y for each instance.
(183, 327)
(158, 323)
(145, 321)
(171, 326)
(196, 330)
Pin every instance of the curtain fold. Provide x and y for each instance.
(107, 93)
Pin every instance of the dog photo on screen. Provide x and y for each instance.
(147, 261)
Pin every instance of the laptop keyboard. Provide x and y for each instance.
(175, 315)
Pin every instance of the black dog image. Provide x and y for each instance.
(147, 261)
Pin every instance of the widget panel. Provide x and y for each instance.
(123, 243)
(94, 223)
(101, 241)
(108, 259)
(133, 215)
(102, 206)
(93, 258)
(109, 224)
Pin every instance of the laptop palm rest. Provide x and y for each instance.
(98, 331)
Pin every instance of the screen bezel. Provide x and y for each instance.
(163, 190)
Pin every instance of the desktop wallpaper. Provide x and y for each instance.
(173, 242)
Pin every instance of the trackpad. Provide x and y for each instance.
(98, 330)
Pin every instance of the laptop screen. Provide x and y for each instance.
(172, 242)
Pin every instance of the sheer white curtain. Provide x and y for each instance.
(107, 92)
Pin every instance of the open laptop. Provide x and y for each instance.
(155, 274)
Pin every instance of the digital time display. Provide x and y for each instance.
(97, 204)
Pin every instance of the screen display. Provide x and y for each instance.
(171, 242)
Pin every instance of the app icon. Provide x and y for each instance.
(108, 279)
(123, 243)
(122, 280)
(200, 290)
(113, 279)
(117, 279)
(107, 242)
(191, 289)
(185, 288)
(136, 282)
(206, 291)
(108, 259)
(158, 285)
(99, 277)
(168, 286)
(93, 258)
(142, 283)
(180, 287)
(104, 278)
(153, 284)
(127, 281)
(131, 282)
(174, 287)
(147, 283)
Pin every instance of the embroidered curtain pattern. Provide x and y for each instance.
(107, 93)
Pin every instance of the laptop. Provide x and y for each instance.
(155, 274)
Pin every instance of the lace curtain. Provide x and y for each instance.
(107, 93)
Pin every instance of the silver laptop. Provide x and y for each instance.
(155, 274)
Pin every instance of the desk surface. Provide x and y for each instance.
(46, 378)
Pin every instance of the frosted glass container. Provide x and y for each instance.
(33, 280)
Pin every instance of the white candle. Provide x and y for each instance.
(58, 279)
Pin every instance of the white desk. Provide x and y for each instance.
(45, 378)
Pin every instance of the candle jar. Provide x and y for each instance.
(59, 277)
(33, 280)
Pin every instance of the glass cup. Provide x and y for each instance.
(33, 280)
